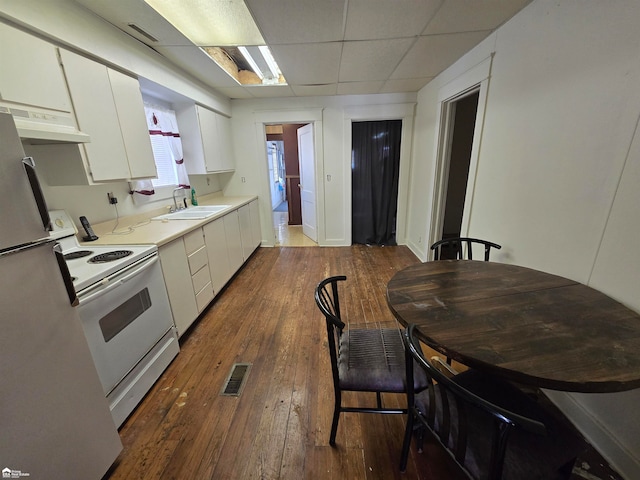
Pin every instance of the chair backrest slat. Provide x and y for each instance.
(455, 247)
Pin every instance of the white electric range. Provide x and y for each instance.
(125, 313)
(90, 264)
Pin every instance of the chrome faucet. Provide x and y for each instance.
(175, 203)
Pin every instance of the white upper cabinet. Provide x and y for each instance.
(206, 140)
(30, 73)
(133, 125)
(108, 106)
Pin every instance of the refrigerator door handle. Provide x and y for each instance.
(66, 276)
(30, 168)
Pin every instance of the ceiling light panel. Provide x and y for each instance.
(211, 22)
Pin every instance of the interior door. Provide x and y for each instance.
(307, 181)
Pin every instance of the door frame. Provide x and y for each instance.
(474, 80)
(399, 111)
(276, 117)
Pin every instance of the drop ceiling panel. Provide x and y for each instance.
(314, 41)
(471, 15)
(405, 85)
(299, 21)
(359, 88)
(373, 59)
(432, 54)
(311, 64)
(270, 91)
(315, 90)
(368, 19)
(235, 92)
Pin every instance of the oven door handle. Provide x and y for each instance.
(105, 286)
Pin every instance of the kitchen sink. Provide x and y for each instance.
(193, 213)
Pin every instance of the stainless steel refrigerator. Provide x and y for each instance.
(54, 417)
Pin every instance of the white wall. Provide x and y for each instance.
(558, 168)
(331, 115)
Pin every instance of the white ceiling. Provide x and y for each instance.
(332, 47)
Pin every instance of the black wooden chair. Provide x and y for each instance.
(491, 429)
(453, 248)
(362, 360)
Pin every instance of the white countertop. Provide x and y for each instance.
(141, 230)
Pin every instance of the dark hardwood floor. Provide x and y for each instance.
(279, 427)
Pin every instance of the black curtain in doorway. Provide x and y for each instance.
(375, 163)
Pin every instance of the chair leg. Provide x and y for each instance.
(406, 444)
(336, 417)
(379, 399)
(420, 437)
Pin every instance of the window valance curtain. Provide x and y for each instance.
(163, 126)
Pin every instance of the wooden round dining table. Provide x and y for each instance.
(525, 325)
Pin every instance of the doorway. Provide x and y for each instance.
(284, 182)
(464, 122)
(375, 169)
(459, 126)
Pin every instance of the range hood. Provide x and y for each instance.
(41, 126)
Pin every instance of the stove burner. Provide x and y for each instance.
(77, 254)
(110, 256)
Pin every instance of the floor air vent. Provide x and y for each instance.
(236, 379)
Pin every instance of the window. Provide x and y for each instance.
(165, 164)
(167, 153)
(167, 147)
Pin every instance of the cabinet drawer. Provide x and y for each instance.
(200, 279)
(204, 296)
(198, 259)
(193, 241)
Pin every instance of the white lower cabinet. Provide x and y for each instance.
(234, 240)
(177, 277)
(256, 229)
(219, 265)
(185, 266)
(249, 218)
(246, 234)
(197, 266)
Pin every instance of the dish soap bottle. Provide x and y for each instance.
(194, 200)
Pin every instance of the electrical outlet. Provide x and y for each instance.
(112, 200)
